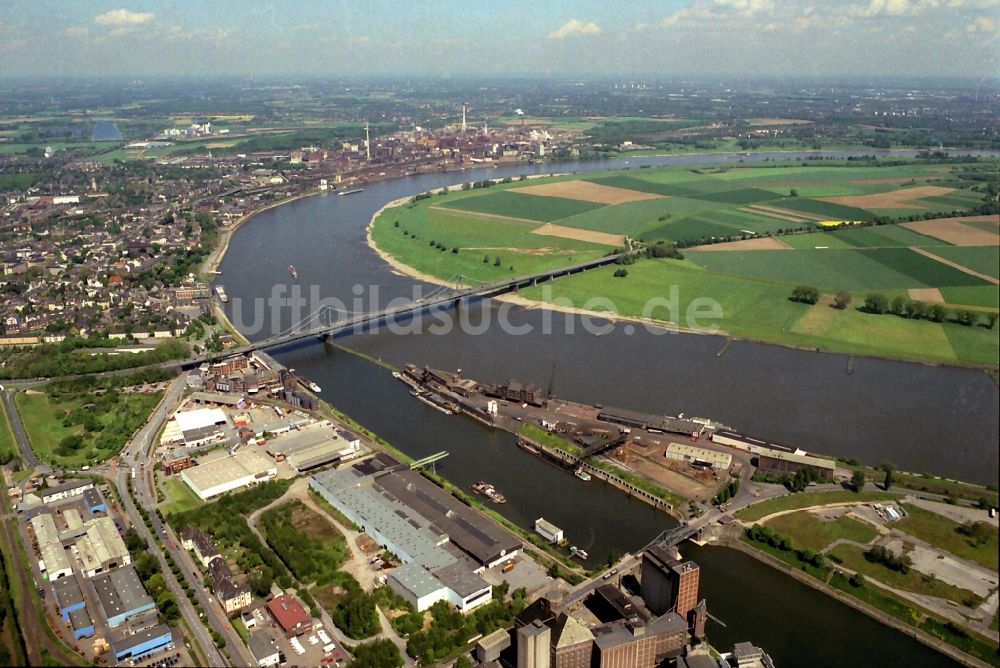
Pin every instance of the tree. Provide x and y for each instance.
(793, 193)
(936, 313)
(897, 305)
(842, 300)
(858, 480)
(887, 483)
(965, 317)
(875, 303)
(991, 319)
(805, 294)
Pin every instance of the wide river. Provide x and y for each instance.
(921, 417)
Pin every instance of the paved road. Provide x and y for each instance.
(137, 453)
(19, 434)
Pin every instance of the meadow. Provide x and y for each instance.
(775, 221)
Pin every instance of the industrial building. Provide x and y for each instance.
(533, 642)
(94, 501)
(65, 490)
(782, 463)
(81, 623)
(53, 557)
(489, 647)
(195, 427)
(142, 644)
(696, 456)
(225, 474)
(655, 423)
(264, 648)
(548, 530)
(69, 596)
(314, 445)
(101, 548)
(572, 643)
(121, 595)
(442, 542)
(289, 615)
(635, 644)
(666, 584)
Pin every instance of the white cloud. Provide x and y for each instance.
(985, 25)
(574, 27)
(123, 17)
(361, 40)
(640, 27)
(76, 31)
(905, 7)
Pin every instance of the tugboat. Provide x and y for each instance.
(578, 553)
(582, 475)
(489, 491)
(293, 271)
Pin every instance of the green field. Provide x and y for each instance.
(943, 533)
(466, 231)
(101, 435)
(808, 500)
(179, 497)
(809, 531)
(519, 205)
(984, 259)
(8, 448)
(853, 557)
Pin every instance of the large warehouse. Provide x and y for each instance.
(122, 595)
(313, 446)
(54, 558)
(224, 474)
(102, 547)
(443, 543)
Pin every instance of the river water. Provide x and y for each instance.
(921, 417)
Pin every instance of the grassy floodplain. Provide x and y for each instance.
(750, 234)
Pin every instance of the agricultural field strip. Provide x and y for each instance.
(955, 265)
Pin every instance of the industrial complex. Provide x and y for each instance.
(444, 544)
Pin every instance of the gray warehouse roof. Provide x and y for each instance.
(120, 591)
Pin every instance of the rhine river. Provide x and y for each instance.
(921, 417)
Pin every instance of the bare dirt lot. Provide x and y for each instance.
(587, 192)
(650, 462)
(818, 319)
(581, 235)
(956, 232)
(929, 295)
(894, 199)
(761, 243)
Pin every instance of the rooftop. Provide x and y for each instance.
(246, 462)
(288, 611)
(126, 643)
(798, 458)
(67, 486)
(121, 592)
(199, 418)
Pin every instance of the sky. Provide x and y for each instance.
(463, 38)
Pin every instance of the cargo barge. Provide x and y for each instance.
(349, 192)
(221, 294)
